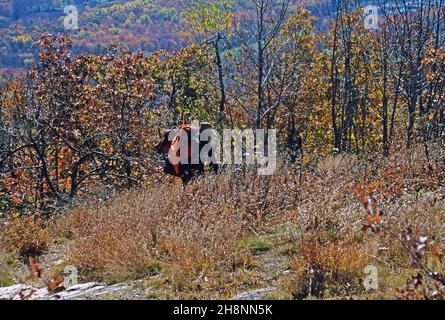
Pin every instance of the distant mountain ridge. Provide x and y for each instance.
(139, 25)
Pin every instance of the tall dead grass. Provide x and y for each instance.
(197, 229)
(331, 250)
(26, 235)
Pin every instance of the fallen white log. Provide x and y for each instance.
(79, 291)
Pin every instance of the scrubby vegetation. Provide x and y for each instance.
(197, 231)
(235, 231)
(359, 186)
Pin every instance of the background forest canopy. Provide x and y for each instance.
(85, 117)
(139, 25)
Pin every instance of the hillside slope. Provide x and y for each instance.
(138, 25)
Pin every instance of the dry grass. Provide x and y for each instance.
(327, 237)
(26, 235)
(195, 231)
(206, 240)
(325, 270)
(7, 265)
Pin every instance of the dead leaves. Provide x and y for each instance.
(373, 223)
(55, 285)
(417, 243)
(417, 288)
(374, 215)
(35, 271)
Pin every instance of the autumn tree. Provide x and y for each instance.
(211, 24)
(353, 95)
(417, 28)
(256, 31)
(184, 79)
(291, 90)
(74, 122)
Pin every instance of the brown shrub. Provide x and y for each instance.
(408, 189)
(326, 269)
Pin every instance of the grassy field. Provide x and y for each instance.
(305, 236)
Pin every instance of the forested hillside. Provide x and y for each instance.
(359, 119)
(139, 25)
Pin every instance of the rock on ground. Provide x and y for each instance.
(253, 295)
(88, 290)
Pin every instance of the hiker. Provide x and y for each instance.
(171, 151)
